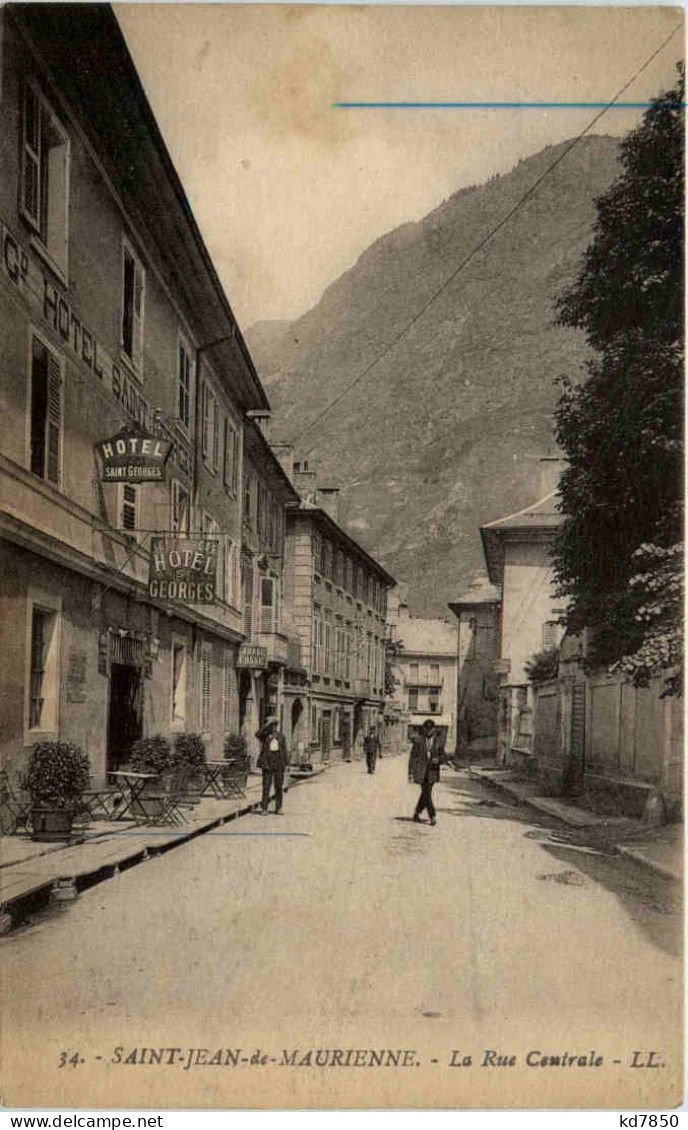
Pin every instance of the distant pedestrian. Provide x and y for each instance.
(427, 754)
(273, 761)
(371, 748)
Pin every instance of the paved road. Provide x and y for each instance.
(342, 924)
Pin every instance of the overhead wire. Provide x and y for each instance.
(482, 243)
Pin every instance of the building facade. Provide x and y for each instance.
(337, 594)
(425, 670)
(112, 323)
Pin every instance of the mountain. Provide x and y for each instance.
(442, 434)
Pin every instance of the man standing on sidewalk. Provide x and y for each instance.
(273, 762)
(426, 757)
(371, 748)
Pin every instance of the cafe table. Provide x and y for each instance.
(214, 784)
(132, 785)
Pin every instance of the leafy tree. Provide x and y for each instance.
(621, 429)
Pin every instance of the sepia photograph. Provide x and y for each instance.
(341, 557)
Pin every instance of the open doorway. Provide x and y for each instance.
(125, 717)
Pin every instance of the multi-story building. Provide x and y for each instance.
(270, 646)
(113, 327)
(424, 669)
(338, 599)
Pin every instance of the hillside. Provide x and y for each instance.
(440, 436)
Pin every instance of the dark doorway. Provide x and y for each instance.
(125, 720)
(244, 693)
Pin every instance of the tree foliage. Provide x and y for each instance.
(621, 429)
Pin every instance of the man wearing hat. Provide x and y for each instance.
(273, 761)
(427, 754)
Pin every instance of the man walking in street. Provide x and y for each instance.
(371, 748)
(272, 762)
(426, 757)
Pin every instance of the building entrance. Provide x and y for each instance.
(125, 719)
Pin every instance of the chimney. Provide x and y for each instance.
(284, 453)
(261, 419)
(305, 482)
(328, 497)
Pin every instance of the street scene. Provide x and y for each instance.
(341, 556)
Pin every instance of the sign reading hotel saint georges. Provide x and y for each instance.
(252, 656)
(133, 456)
(183, 569)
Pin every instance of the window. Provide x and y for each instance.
(317, 624)
(345, 572)
(45, 176)
(206, 686)
(46, 413)
(433, 700)
(231, 461)
(247, 587)
(262, 501)
(347, 655)
(179, 498)
(210, 428)
(413, 672)
(133, 293)
(434, 673)
(178, 683)
(328, 648)
(268, 604)
(248, 500)
(184, 378)
(43, 666)
(230, 571)
(230, 711)
(127, 507)
(413, 699)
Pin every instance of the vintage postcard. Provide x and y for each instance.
(341, 716)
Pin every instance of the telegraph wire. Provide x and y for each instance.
(483, 242)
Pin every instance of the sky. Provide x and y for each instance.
(288, 190)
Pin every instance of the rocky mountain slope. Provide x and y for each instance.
(443, 433)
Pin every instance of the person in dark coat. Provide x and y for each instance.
(427, 754)
(273, 761)
(371, 748)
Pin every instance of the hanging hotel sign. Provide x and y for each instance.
(133, 456)
(183, 569)
(252, 656)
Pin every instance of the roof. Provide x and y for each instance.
(118, 121)
(263, 458)
(336, 531)
(480, 591)
(421, 635)
(541, 519)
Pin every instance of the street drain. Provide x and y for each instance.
(569, 878)
(432, 1015)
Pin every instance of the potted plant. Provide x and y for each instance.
(56, 777)
(235, 748)
(188, 757)
(151, 755)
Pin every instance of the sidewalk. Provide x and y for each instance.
(30, 870)
(659, 849)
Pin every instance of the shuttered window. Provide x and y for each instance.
(128, 500)
(133, 301)
(231, 460)
(230, 704)
(247, 586)
(46, 413)
(184, 377)
(268, 604)
(45, 175)
(179, 498)
(210, 441)
(206, 687)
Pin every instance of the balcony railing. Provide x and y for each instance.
(276, 645)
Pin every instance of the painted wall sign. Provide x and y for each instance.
(133, 456)
(19, 266)
(252, 656)
(183, 569)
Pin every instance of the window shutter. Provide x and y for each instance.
(205, 430)
(31, 171)
(216, 435)
(54, 422)
(248, 600)
(267, 599)
(229, 456)
(128, 506)
(205, 690)
(137, 316)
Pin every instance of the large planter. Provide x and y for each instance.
(52, 825)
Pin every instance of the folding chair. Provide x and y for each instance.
(164, 807)
(234, 778)
(15, 810)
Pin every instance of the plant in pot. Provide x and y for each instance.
(56, 777)
(235, 749)
(151, 755)
(188, 757)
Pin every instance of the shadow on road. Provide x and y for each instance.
(653, 903)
